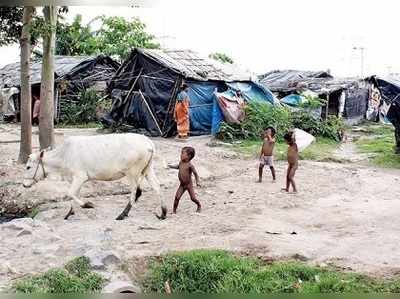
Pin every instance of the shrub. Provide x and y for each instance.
(75, 277)
(312, 101)
(83, 111)
(261, 115)
(258, 117)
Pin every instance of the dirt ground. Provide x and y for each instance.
(344, 214)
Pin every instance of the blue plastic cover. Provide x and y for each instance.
(292, 100)
(201, 95)
(217, 116)
(254, 92)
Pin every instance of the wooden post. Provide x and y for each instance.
(327, 106)
(151, 112)
(171, 104)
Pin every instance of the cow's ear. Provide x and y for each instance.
(41, 154)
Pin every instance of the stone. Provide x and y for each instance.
(100, 260)
(55, 249)
(18, 224)
(121, 287)
(24, 232)
(5, 268)
(41, 224)
(55, 238)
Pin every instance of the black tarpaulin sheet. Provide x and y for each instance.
(393, 114)
(140, 80)
(389, 88)
(390, 91)
(91, 73)
(356, 103)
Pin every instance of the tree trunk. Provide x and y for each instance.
(25, 96)
(46, 123)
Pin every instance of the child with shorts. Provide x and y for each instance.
(267, 153)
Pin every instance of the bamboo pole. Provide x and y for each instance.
(151, 112)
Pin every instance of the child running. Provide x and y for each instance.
(267, 153)
(293, 161)
(186, 169)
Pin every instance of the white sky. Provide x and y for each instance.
(275, 34)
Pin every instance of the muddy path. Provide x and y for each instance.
(344, 214)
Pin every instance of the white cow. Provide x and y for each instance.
(104, 158)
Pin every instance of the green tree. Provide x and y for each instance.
(221, 57)
(115, 37)
(75, 39)
(10, 25)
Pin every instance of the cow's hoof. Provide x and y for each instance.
(163, 215)
(70, 213)
(121, 217)
(88, 205)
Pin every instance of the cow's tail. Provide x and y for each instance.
(149, 164)
(153, 155)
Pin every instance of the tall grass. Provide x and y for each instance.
(212, 271)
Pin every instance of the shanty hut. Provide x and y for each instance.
(73, 74)
(347, 97)
(389, 106)
(145, 88)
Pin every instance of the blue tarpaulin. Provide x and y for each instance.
(201, 95)
(292, 100)
(252, 92)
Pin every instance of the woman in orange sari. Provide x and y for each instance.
(182, 112)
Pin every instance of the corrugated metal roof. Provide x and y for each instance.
(192, 65)
(10, 74)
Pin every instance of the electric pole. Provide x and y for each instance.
(361, 49)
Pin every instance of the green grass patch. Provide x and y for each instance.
(33, 213)
(213, 271)
(379, 141)
(91, 125)
(374, 128)
(75, 277)
(321, 150)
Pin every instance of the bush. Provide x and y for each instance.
(261, 115)
(312, 101)
(210, 271)
(258, 117)
(76, 277)
(84, 111)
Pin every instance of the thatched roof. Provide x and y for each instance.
(192, 66)
(10, 74)
(287, 81)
